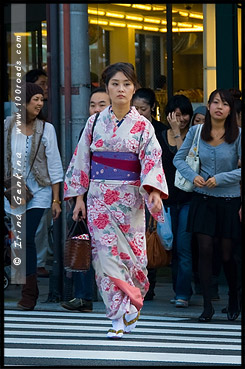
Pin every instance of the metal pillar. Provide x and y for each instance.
(56, 275)
(80, 70)
(169, 51)
(226, 46)
(74, 91)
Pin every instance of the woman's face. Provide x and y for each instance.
(219, 110)
(182, 119)
(35, 105)
(198, 119)
(143, 107)
(120, 89)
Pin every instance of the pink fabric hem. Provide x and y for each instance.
(132, 292)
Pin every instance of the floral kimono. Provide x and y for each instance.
(126, 164)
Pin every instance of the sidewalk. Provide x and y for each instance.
(159, 306)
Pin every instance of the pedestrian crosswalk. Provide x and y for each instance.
(41, 338)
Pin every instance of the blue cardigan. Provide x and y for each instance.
(219, 161)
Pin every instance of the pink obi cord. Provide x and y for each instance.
(132, 292)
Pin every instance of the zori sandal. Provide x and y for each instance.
(117, 329)
(130, 321)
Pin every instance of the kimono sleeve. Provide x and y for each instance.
(152, 174)
(78, 173)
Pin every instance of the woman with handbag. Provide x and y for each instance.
(31, 157)
(214, 209)
(178, 112)
(126, 173)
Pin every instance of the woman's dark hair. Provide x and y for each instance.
(179, 101)
(231, 128)
(126, 68)
(237, 94)
(147, 94)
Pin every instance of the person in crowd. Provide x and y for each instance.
(42, 173)
(160, 89)
(116, 196)
(199, 115)
(144, 101)
(237, 94)
(214, 209)
(99, 100)
(40, 78)
(179, 112)
(83, 282)
(199, 118)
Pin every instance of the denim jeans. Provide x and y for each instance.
(84, 284)
(181, 252)
(27, 229)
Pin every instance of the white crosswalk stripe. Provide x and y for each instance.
(64, 337)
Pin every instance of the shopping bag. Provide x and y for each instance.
(164, 230)
(156, 254)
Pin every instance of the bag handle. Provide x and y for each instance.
(152, 223)
(92, 133)
(197, 135)
(73, 227)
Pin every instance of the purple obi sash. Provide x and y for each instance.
(115, 165)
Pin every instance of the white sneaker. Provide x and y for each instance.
(130, 321)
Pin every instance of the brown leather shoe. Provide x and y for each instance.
(42, 272)
(29, 293)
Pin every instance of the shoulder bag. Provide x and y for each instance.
(192, 159)
(17, 192)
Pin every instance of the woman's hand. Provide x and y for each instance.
(174, 124)
(156, 201)
(199, 181)
(56, 210)
(211, 182)
(80, 206)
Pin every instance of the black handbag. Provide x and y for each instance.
(77, 253)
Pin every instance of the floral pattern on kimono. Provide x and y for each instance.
(116, 209)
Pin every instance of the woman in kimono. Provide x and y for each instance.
(121, 168)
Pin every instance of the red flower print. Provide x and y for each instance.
(125, 228)
(159, 178)
(135, 249)
(124, 256)
(99, 143)
(114, 250)
(140, 276)
(84, 179)
(102, 221)
(75, 152)
(65, 187)
(148, 166)
(138, 127)
(142, 155)
(111, 196)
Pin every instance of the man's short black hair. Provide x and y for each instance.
(34, 74)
